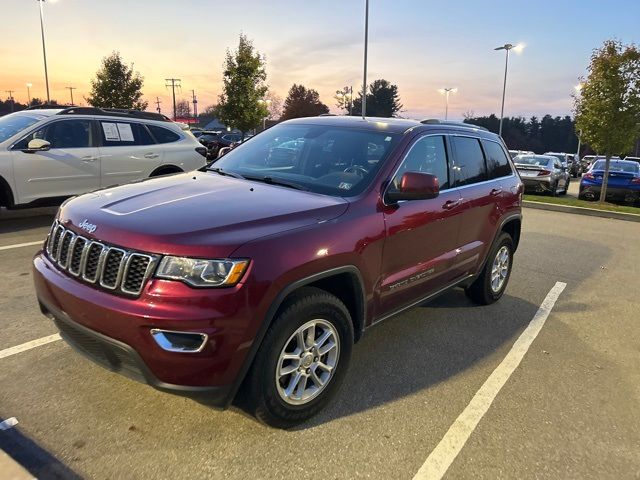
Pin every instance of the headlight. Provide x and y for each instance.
(202, 273)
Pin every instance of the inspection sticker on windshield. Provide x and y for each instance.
(345, 186)
(110, 131)
(124, 129)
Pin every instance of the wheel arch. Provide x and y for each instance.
(6, 194)
(166, 169)
(348, 278)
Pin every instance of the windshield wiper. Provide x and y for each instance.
(278, 181)
(219, 171)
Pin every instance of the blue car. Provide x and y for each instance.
(623, 185)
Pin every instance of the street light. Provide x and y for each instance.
(29, 85)
(446, 92)
(366, 42)
(506, 47)
(44, 51)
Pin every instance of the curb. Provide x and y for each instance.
(591, 212)
(11, 470)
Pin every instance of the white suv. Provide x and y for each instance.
(47, 154)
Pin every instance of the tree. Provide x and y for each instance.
(116, 85)
(608, 108)
(382, 100)
(303, 102)
(344, 99)
(239, 105)
(183, 109)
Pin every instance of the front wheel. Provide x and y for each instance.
(492, 281)
(302, 360)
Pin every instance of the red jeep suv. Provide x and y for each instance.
(260, 272)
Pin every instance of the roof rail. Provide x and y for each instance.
(45, 106)
(435, 121)
(114, 112)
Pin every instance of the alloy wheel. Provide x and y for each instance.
(500, 268)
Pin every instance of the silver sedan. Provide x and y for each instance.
(543, 174)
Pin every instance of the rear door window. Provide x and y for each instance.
(497, 161)
(163, 135)
(120, 134)
(469, 166)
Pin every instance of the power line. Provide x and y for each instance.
(195, 104)
(173, 83)
(10, 92)
(71, 89)
(158, 102)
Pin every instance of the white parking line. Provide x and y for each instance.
(19, 245)
(29, 345)
(447, 450)
(8, 423)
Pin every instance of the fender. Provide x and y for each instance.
(273, 309)
(6, 194)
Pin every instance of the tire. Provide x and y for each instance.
(554, 191)
(267, 391)
(566, 188)
(481, 290)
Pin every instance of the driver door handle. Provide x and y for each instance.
(451, 204)
(89, 159)
(496, 191)
(151, 155)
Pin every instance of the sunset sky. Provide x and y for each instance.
(420, 45)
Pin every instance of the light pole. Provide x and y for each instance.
(366, 42)
(446, 92)
(266, 102)
(506, 47)
(29, 85)
(44, 52)
(578, 89)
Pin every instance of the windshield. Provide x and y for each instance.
(12, 124)
(531, 160)
(617, 166)
(322, 159)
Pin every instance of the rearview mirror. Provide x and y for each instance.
(37, 145)
(415, 186)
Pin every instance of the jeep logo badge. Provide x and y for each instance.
(89, 227)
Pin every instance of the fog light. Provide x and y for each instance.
(183, 342)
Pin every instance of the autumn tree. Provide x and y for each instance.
(116, 85)
(241, 103)
(183, 109)
(608, 106)
(303, 102)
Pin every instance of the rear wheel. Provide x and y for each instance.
(492, 281)
(566, 187)
(302, 360)
(554, 190)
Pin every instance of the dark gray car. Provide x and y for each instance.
(543, 174)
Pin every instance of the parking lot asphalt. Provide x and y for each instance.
(570, 409)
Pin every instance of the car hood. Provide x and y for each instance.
(197, 214)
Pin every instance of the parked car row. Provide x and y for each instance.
(215, 140)
(49, 154)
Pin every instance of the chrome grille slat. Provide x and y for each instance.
(110, 267)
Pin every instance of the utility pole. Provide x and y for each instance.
(158, 102)
(173, 83)
(44, 51)
(366, 46)
(71, 89)
(195, 104)
(10, 92)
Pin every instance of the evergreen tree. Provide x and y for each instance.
(302, 102)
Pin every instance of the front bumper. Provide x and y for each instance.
(115, 331)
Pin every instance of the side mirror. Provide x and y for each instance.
(37, 145)
(415, 186)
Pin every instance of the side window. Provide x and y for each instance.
(469, 165)
(427, 155)
(62, 134)
(497, 161)
(119, 134)
(163, 135)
